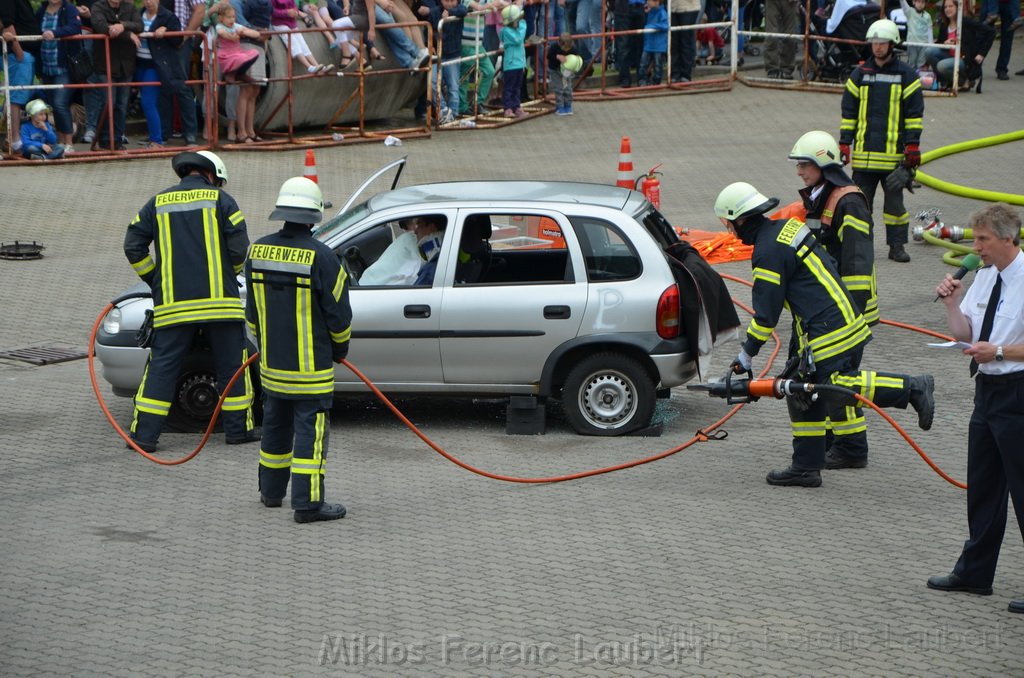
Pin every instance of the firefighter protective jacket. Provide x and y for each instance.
(883, 108)
(298, 308)
(200, 242)
(791, 270)
(845, 233)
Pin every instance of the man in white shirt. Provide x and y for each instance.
(991, 317)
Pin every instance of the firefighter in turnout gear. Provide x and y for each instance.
(791, 269)
(199, 239)
(840, 219)
(883, 109)
(298, 309)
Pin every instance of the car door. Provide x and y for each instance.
(395, 327)
(530, 300)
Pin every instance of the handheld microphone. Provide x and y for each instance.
(969, 263)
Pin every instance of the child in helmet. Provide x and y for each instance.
(38, 138)
(513, 37)
(564, 64)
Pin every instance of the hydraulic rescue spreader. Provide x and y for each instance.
(746, 389)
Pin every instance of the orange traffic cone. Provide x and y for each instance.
(625, 179)
(310, 170)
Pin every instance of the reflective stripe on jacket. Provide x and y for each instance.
(791, 270)
(298, 308)
(199, 237)
(883, 109)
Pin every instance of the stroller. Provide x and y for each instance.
(835, 61)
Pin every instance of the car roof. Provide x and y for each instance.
(463, 192)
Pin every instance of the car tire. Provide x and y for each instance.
(195, 394)
(608, 394)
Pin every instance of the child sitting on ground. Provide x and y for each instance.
(513, 36)
(38, 138)
(233, 59)
(562, 71)
(655, 44)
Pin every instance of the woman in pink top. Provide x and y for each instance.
(283, 19)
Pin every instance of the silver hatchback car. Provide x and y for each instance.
(539, 288)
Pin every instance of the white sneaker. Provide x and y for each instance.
(422, 57)
(16, 146)
(68, 150)
(313, 69)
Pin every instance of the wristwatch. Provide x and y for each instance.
(999, 353)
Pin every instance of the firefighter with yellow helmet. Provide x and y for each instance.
(792, 270)
(298, 308)
(880, 131)
(200, 239)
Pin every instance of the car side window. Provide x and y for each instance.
(607, 253)
(401, 252)
(512, 249)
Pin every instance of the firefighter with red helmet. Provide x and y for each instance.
(200, 239)
(792, 270)
(882, 121)
(298, 308)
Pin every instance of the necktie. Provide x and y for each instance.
(990, 317)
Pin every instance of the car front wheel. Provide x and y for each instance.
(608, 394)
(195, 394)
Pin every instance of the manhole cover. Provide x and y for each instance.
(42, 355)
(21, 250)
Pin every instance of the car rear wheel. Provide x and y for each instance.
(195, 394)
(608, 394)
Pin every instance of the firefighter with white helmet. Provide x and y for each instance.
(792, 270)
(298, 308)
(880, 131)
(199, 238)
(838, 214)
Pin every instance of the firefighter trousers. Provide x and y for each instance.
(167, 358)
(894, 212)
(294, 444)
(839, 412)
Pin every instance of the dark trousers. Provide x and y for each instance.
(995, 472)
(840, 413)
(628, 48)
(511, 89)
(894, 212)
(294, 444)
(684, 46)
(186, 98)
(166, 357)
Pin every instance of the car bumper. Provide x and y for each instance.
(123, 362)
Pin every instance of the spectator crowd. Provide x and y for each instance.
(474, 40)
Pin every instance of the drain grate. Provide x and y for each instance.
(21, 250)
(42, 355)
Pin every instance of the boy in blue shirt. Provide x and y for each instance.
(38, 138)
(451, 50)
(655, 44)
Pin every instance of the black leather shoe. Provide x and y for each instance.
(922, 399)
(835, 461)
(898, 254)
(1016, 606)
(270, 502)
(951, 582)
(1003, 75)
(325, 512)
(790, 476)
(252, 436)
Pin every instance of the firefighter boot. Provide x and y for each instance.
(251, 436)
(325, 512)
(791, 476)
(898, 254)
(835, 460)
(922, 399)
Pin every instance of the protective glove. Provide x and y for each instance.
(800, 401)
(844, 153)
(912, 155)
(743, 363)
(900, 178)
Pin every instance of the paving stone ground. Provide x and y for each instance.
(114, 566)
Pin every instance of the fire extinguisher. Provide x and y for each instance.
(650, 186)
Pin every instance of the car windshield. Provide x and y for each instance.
(340, 222)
